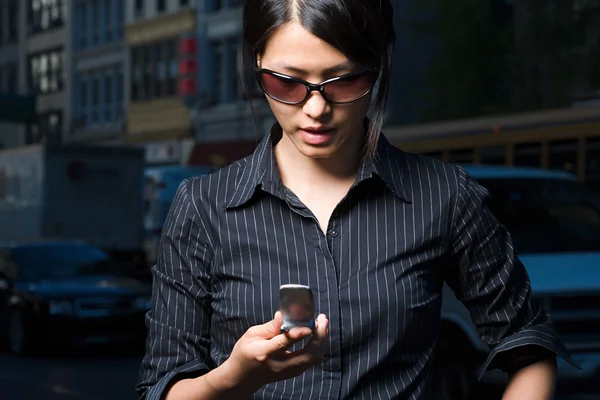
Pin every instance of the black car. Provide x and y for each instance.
(67, 292)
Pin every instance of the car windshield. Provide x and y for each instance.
(546, 215)
(61, 261)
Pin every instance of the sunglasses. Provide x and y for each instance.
(339, 90)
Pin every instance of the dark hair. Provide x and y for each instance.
(361, 29)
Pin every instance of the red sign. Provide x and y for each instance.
(188, 67)
(187, 46)
(187, 87)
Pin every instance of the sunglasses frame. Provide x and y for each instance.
(315, 87)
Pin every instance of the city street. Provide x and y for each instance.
(94, 374)
(88, 374)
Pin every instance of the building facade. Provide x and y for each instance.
(11, 134)
(46, 67)
(156, 116)
(224, 126)
(222, 112)
(97, 82)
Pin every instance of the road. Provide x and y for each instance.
(85, 374)
(91, 374)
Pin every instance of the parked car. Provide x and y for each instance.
(160, 186)
(554, 221)
(55, 292)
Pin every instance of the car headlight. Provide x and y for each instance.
(143, 303)
(60, 307)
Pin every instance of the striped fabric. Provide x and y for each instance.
(408, 224)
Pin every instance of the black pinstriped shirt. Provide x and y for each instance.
(408, 224)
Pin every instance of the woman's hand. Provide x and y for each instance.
(262, 355)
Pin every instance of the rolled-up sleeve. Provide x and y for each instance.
(178, 343)
(491, 281)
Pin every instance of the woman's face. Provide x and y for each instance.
(317, 128)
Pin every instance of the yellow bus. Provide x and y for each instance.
(566, 139)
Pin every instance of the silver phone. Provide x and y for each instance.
(297, 306)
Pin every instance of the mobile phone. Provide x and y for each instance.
(297, 305)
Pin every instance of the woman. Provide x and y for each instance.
(327, 202)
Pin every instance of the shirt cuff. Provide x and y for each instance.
(192, 369)
(539, 335)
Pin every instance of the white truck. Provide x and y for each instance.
(86, 193)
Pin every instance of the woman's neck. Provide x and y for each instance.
(302, 173)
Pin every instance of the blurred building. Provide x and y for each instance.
(97, 65)
(44, 51)
(34, 43)
(416, 44)
(222, 109)
(157, 118)
(11, 134)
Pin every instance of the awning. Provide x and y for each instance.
(220, 154)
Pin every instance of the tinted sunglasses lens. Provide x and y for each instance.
(351, 88)
(282, 89)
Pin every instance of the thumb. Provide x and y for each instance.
(271, 328)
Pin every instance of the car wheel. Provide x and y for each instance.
(17, 333)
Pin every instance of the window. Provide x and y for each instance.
(136, 73)
(83, 101)
(118, 110)
(461, 156)
(95, 22)
(110, 20)
(12, 77)
(562, 155)
(138, 10)
(493, 155)
(13, 20)
(95, 99)
(81, 23)
(108, 96)
(172, 59)
(8, 78)
(219, 5)
(99, 96)
(160, 5)
(546, 215)
(528, 155)
(48, 128)
(119, 10)
(148, 75)
(154, 71)
(51, 262)
(160, 72)
(46, 71)
(45, 15)
(217, 70)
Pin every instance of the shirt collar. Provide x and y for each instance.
(260, 170)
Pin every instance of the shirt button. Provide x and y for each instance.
(333, 233)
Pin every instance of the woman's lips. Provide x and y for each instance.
(317, 137)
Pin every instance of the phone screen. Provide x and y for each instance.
(297, 306)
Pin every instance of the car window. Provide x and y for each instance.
(3, 262)
(546, 215)
(7, 267)
(61, 261)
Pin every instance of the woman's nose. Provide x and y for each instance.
(316, 106)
